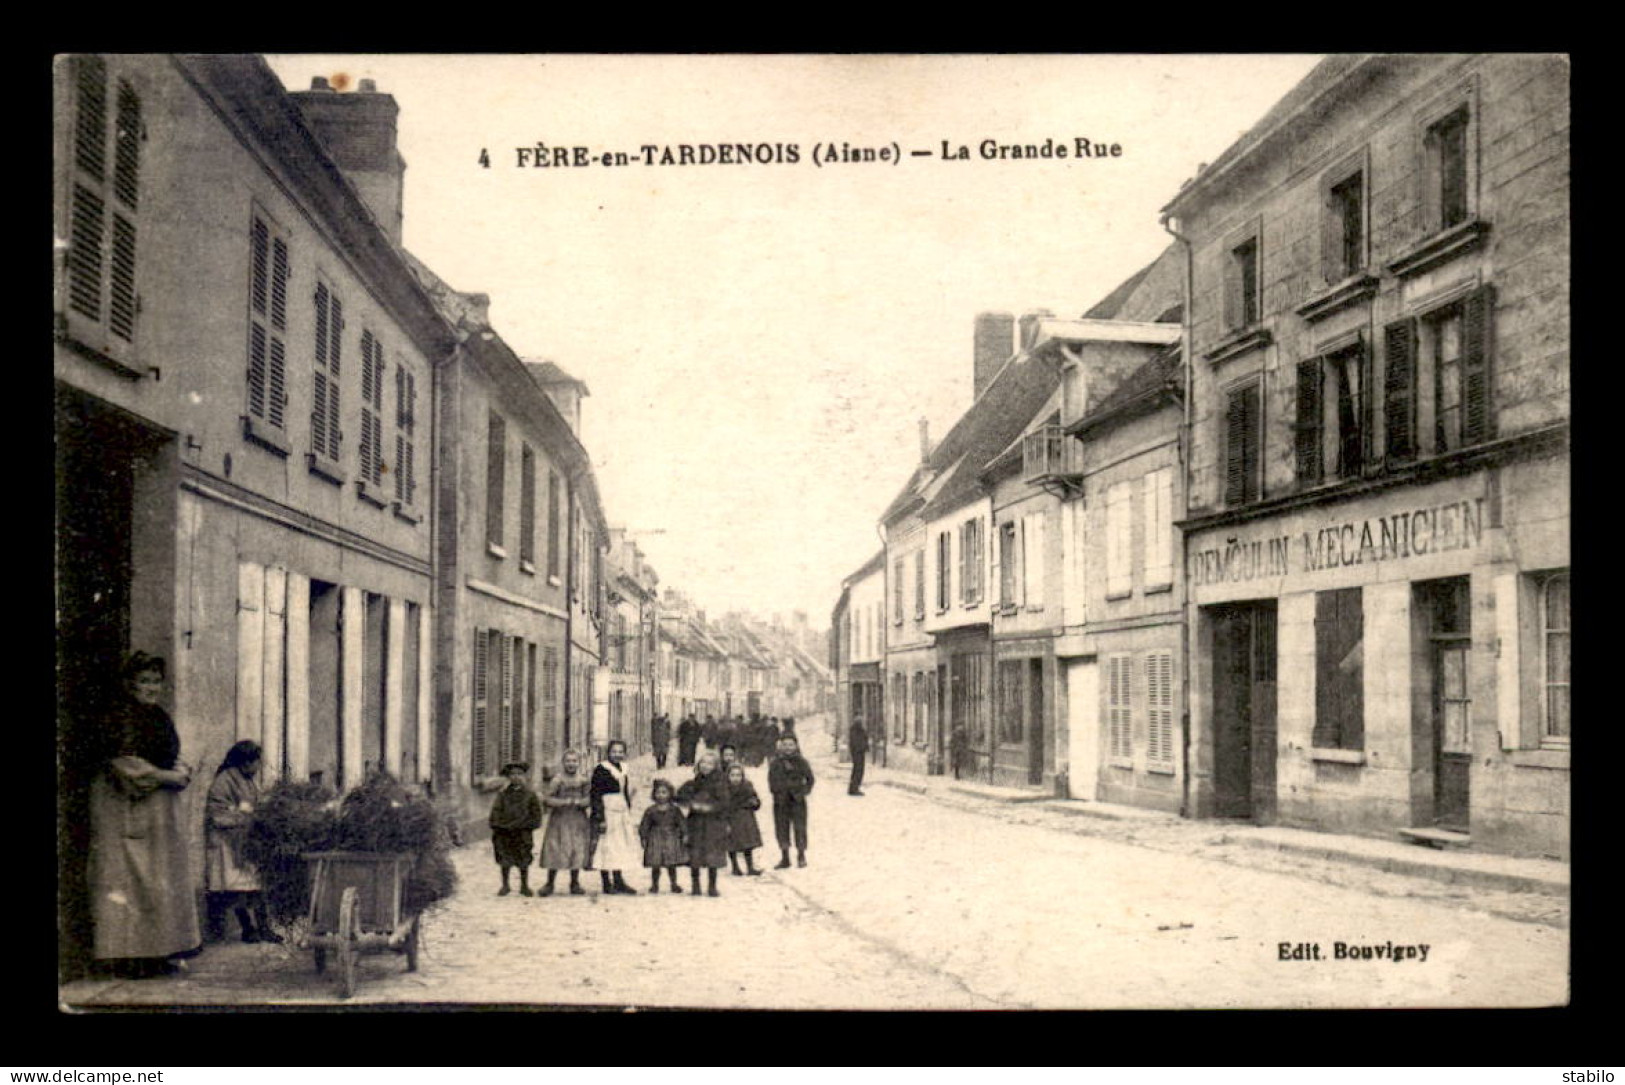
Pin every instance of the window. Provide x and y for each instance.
(1241, 446)
(1009, 564)
(1011, 701)
(970, 559)
(1159, 730)
(372, 411)
(1241, 282)
(919, 585)
(527, 505)
(969, 676)
(1334, 407)
(553, 547)
(1119, 709)
(1447, 167)
(325, 436)
(496, 464)
(1339, 670)
(494, 734)
(898, 695)
(1555, 649)
(406, 425)
(104, 197)
(1119, 540)
(1399, 391)
(897, 591)
(944, 569)
(922, 709)
(267, 323)
(1343, 245)
(1437, 378)
(1158, 504)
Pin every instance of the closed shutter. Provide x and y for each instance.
(368, 450)
(1159, 675)
(478, 736)
(1120, 720)
(1399, 390)
(101, 256)
(1241, 452)
(88, 217)
(513, 728)
(919, 584)
(964, 563)
(121, 280)
(1159, 515)
(90, 120)
(1119, 539)
(1477, 328)
(1309, 428)
(527, 503)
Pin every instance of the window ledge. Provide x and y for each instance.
(266, 436)
(104, 357)
(553, 579)
(369, 496)
(1006, 608)
(495, 550)
(1161, 769)
(527, 566)
(1339, 296)
(407, 513)
(1112, 596)
(1120, 763)
(1239, 343)
(1342, 757)
(1442, 246)
(1036, 608)
(1540, 759)
(1155, 589)
(324, 468)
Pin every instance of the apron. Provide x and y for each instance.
(618, 847)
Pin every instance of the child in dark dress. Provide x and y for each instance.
(743, 835)
(515, 816)
(706, 797)
(664, 836)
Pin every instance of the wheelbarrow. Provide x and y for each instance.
(356, 907)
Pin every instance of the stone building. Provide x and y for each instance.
(1377, 542)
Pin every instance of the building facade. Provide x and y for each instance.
(1377, 544)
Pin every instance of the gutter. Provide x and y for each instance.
(1182, 447)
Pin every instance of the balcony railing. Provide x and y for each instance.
(1052, 459)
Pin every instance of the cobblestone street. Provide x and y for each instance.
(969, 907)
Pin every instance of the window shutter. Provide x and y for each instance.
(1399, 390)
(318, 414)
(507, 744)
(480, 765)
(333, 434)
(1241, 455)
(322, 300)
(127, 147)
(90, 128)
(1310, 415)
(121, 293)
(279, 284)
(85, 253)
(335, 329)
(256, 369)
(368, 450)
(1476, 329)
(964, 563)
(1233, 304)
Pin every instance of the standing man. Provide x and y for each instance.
(660, 738)
(790, 779)
(688, 736)
(858, 743)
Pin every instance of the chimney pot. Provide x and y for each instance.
(369, 86)
(925, 440)
(319, 82)
(995, 340)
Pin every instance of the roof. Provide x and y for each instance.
(553, 373)
(1156, 380)
(873, 565)
(1325, 75)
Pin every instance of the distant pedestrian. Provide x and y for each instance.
(858, 743)
(688, 737)
(664, 835)
(516, 814)
(660, 738)
(564, 845)
(611, 794)
(709, 732)
(790, 779)
(744, 837)
(958, 748)
(706, 797)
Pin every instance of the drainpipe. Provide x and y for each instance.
(1182, 447)
(884, 745)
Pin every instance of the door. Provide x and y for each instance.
(1083, 729)
(1232, 713)
(1035, 721)
(1261, 617)
(1452, 745)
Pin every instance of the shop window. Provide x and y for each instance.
(1011, 701)
(1555, 655)
(1339, 670)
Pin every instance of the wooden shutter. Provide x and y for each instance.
(1399, 390)
(1159, 676)
(88, 215)
(90, 120)
(127, 147)
(1311, 413)
(495, 476)
(480, 762)
(919, 584)
(1477, 320)
(1241, 452)
(257, 378)
(510, 744)
(368, 451)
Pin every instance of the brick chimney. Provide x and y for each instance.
(925, 441)
(358, 130)
(1029, 326)
(995, 341)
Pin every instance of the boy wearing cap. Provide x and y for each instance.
(515, 816)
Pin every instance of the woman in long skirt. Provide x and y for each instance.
(617, 850)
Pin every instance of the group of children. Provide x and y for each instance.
(709, 820)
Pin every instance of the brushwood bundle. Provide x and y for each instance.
(291, 819)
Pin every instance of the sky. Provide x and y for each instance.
(760, 340)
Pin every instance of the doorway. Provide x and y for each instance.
(1082, 729)
(1035, 721)
(1244, 654)
(1446, 606)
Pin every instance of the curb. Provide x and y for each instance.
(1416, 868)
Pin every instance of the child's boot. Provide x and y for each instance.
(733, 861)
(608, 886)
(671, 873)
(694, 873)
(575, 884)
(712, 872)
(654, 881)
(784, 860)
(547, 890)
(622, 887)
(750, 864)
(504, 891)
(263, 916)
(801, 857)
(524, 882)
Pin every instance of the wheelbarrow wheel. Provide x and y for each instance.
(412, 944)
(349, 940)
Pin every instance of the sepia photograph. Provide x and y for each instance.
(874, 532)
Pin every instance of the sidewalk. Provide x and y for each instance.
(1479, 870)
